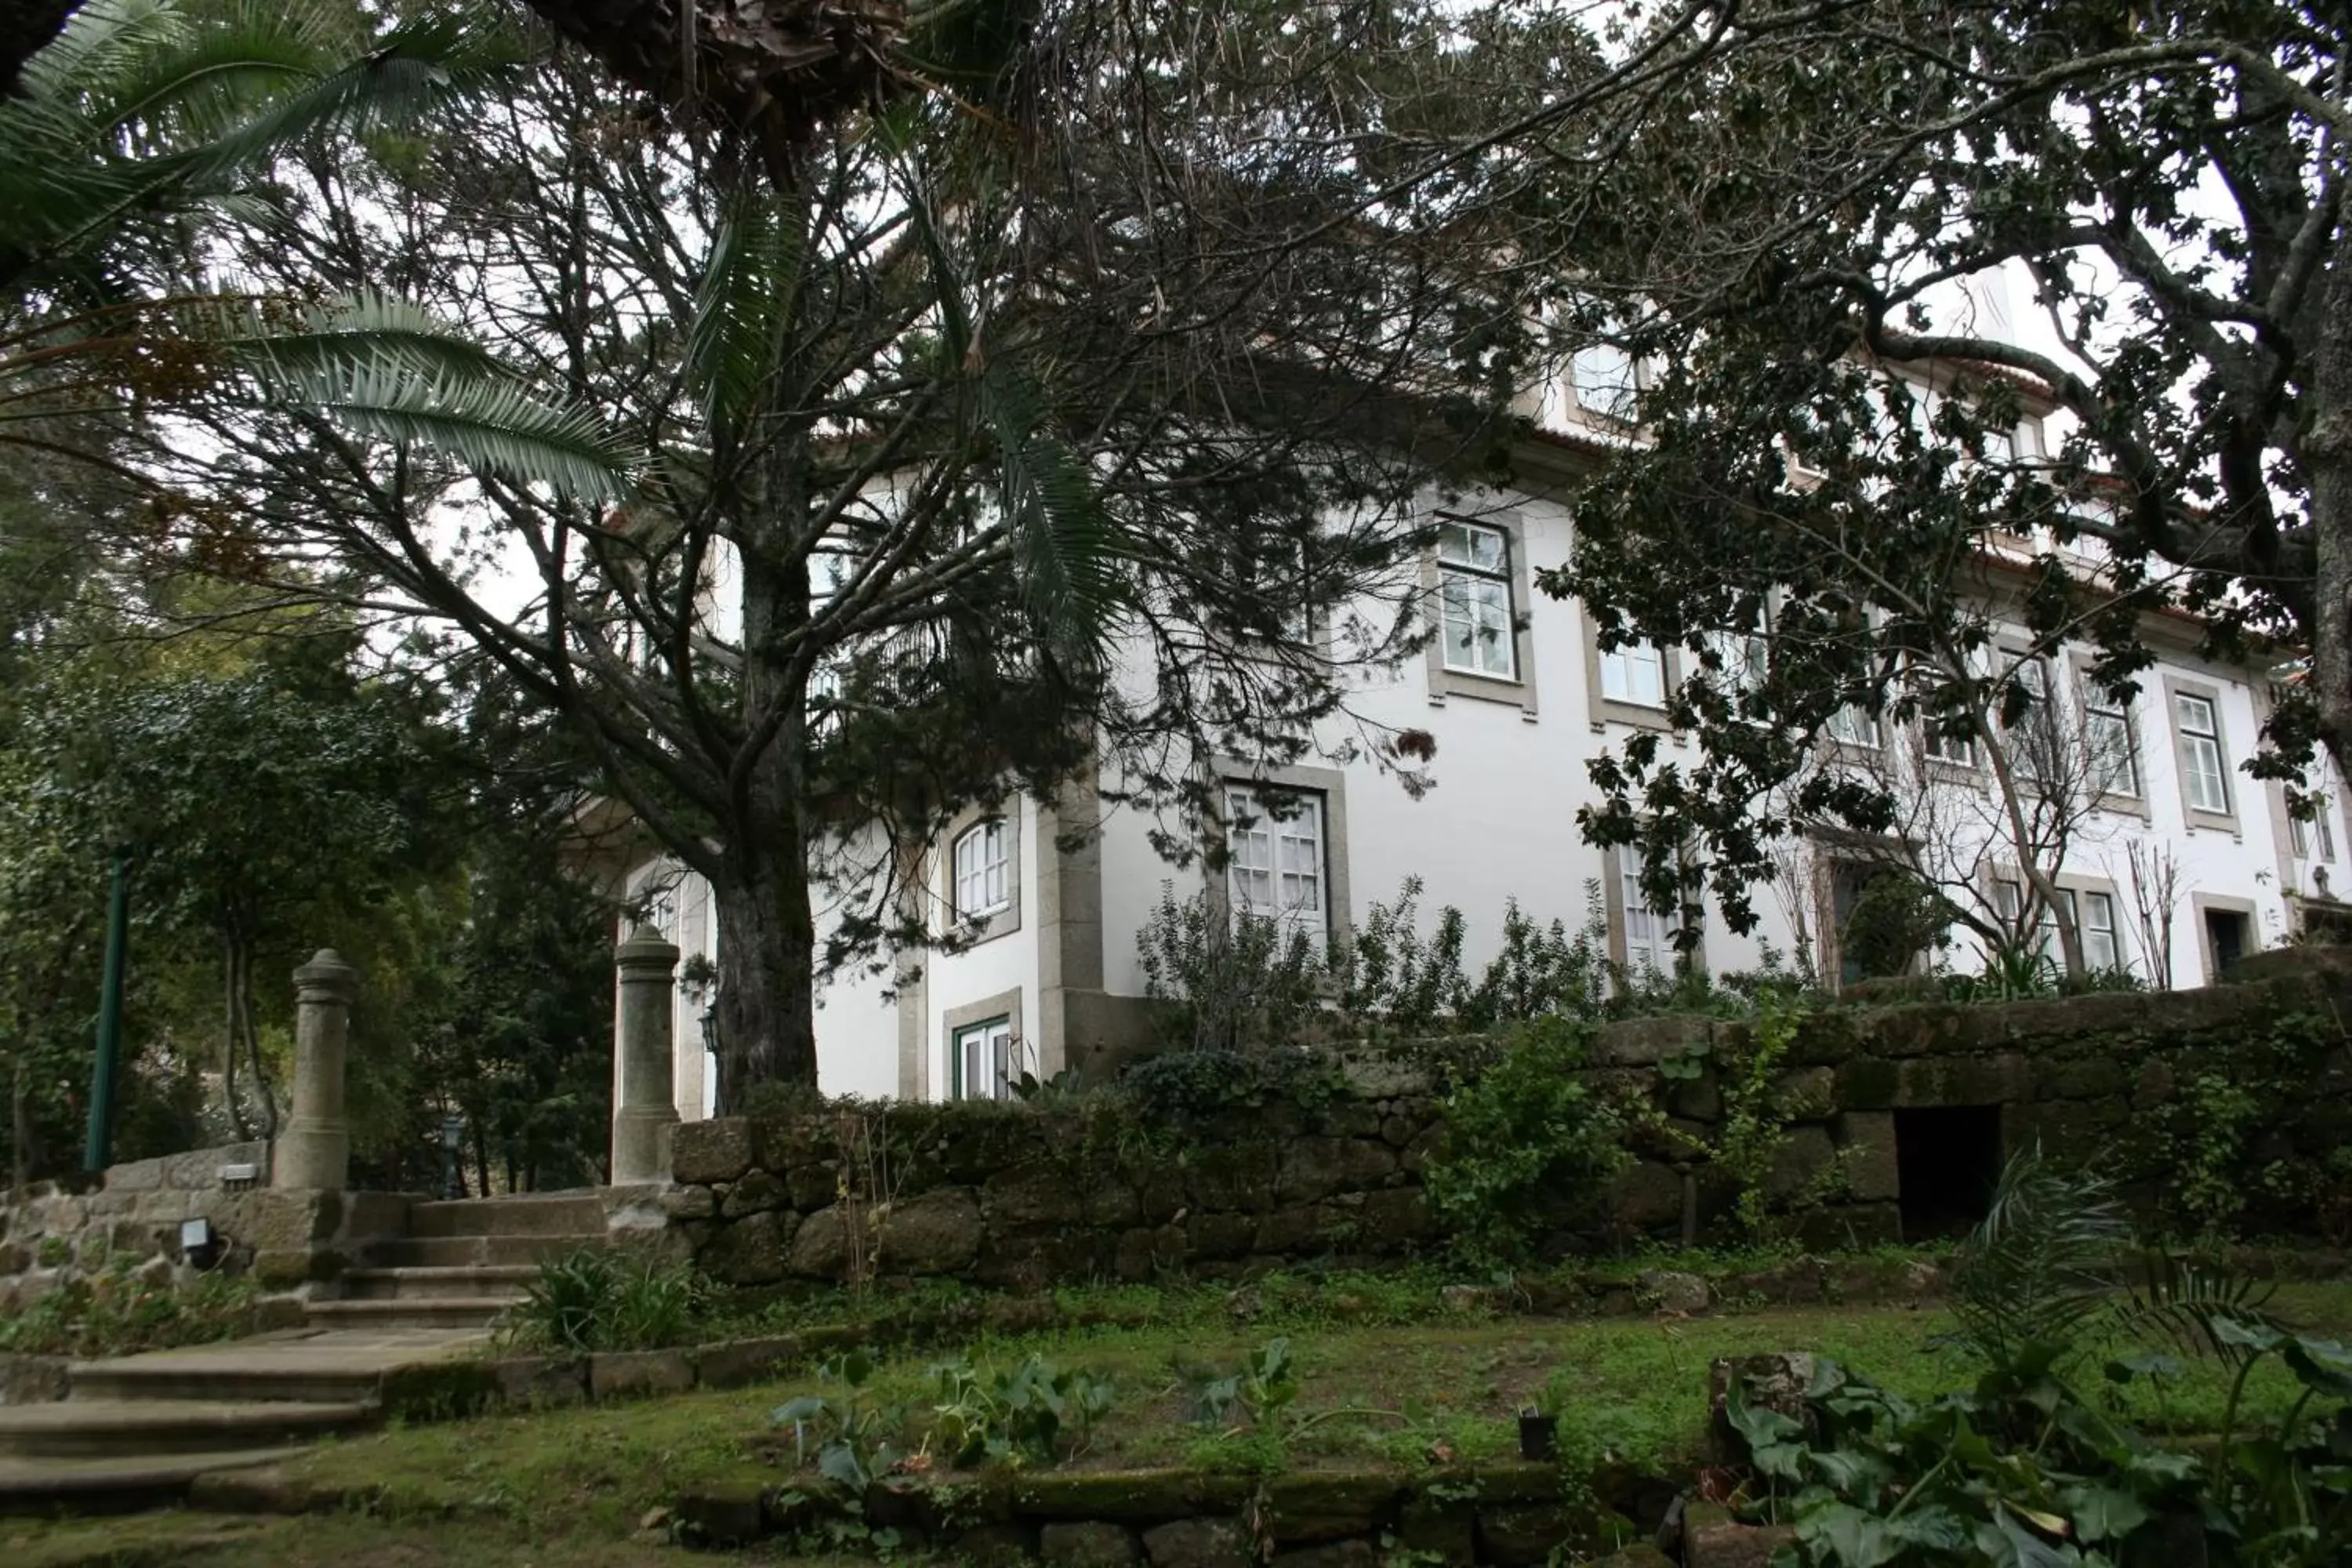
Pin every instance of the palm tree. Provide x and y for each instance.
(143, 117)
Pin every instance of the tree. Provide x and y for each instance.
(945, 429)
(1781, 236)
(143, 119)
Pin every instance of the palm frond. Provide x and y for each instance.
(2042, 1264)
(491, 422)
(741, 309)
(2180, 1301)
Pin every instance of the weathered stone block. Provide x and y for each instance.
(716, 1149)
(734, 1363)
(1213, 1236)
(1198, 1543)
(1712, 1539)
(819, 1248)
(758, 1192)
(1872, 1172)
(534, 1381)
(1673, 1290)
(690, 1202)
(1868, 1083)
(814, 1185)
(1327, 1505)
(1147, 1251)
(1648, 1197)
(1805, 1154)
(622, 1375)
(1232, 1178)
(937, 1233)
(1030, 1197)
(135, 1175)
(1528, 1535)
(1645, 1041)
(996, 1546)
(753, 1250)
(1351, 1553)
(1395, 1219)
(1093, 1543)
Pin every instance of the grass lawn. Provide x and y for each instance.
(1629, 1388)
(571, 1485)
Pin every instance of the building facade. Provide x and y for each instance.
(1518, 696)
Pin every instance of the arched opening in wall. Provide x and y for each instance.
(1947, 1158)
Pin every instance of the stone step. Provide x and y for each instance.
(468, 1251)
(441, 1313)
(300, 1365)
(296, 1384)
(117, 1485)
(535, 1213)
(129, 1428)
(475, 1281)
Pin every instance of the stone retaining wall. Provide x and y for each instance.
(1019, 1196)
(287, 1240)
(1515, 1515)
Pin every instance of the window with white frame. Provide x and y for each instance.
(1956, 749)
(2314, 836)
(985, 1059)
(2101, 950)
(983, 870)
(1635, 673)
(1854, 725)
(1473, 590)
(1603, 374)
(2106, 725)
(1275, 868)
(2204, 776)
(1649, 932)
(1746, 655)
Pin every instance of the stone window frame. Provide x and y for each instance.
(2081, 882)
(2079, 664)
(1007, 920)
(1612, 898)
(1005, 1005)
(1445, 682)
(2230, 821)
(1328, 784)
(1835, 852)
(1606, 709)
(2228, 904)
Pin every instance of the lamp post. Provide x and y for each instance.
(453, 1134)
(97, 1148)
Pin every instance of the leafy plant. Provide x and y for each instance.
(1263, 1387)
(596, 1299)
(2042, 1264)
(1017, 1417)
(1230, 983)
(1528, 1144)
(845, 1435)
(119, 1312)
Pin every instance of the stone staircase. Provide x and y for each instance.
(462, 1262)
(135, 1430)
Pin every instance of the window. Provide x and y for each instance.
(984, 870)
(2100, 951)
(2202, 776)
(2106, 724)
(1853, 725)
(1635, 673)
(1474, 577)
(2315, 836)
(1959, 750)
(1649, 932)
(1276, 866)
(1746, 657)
(984, 1060)
(1603, 374)
(2034, 739)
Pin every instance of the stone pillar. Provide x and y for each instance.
(315, 1149)
(647, 1108)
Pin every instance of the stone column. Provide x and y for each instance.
(315, 1149)
(647, 1106)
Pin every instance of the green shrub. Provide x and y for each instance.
(1528, 1145)
(595, 1298)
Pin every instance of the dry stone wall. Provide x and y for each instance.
(49, 1234)
(1018, 1195)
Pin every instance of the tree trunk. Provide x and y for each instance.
(767, 929)
(2326, 454)
(231, 1041)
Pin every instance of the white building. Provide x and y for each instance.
(1518, 696)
